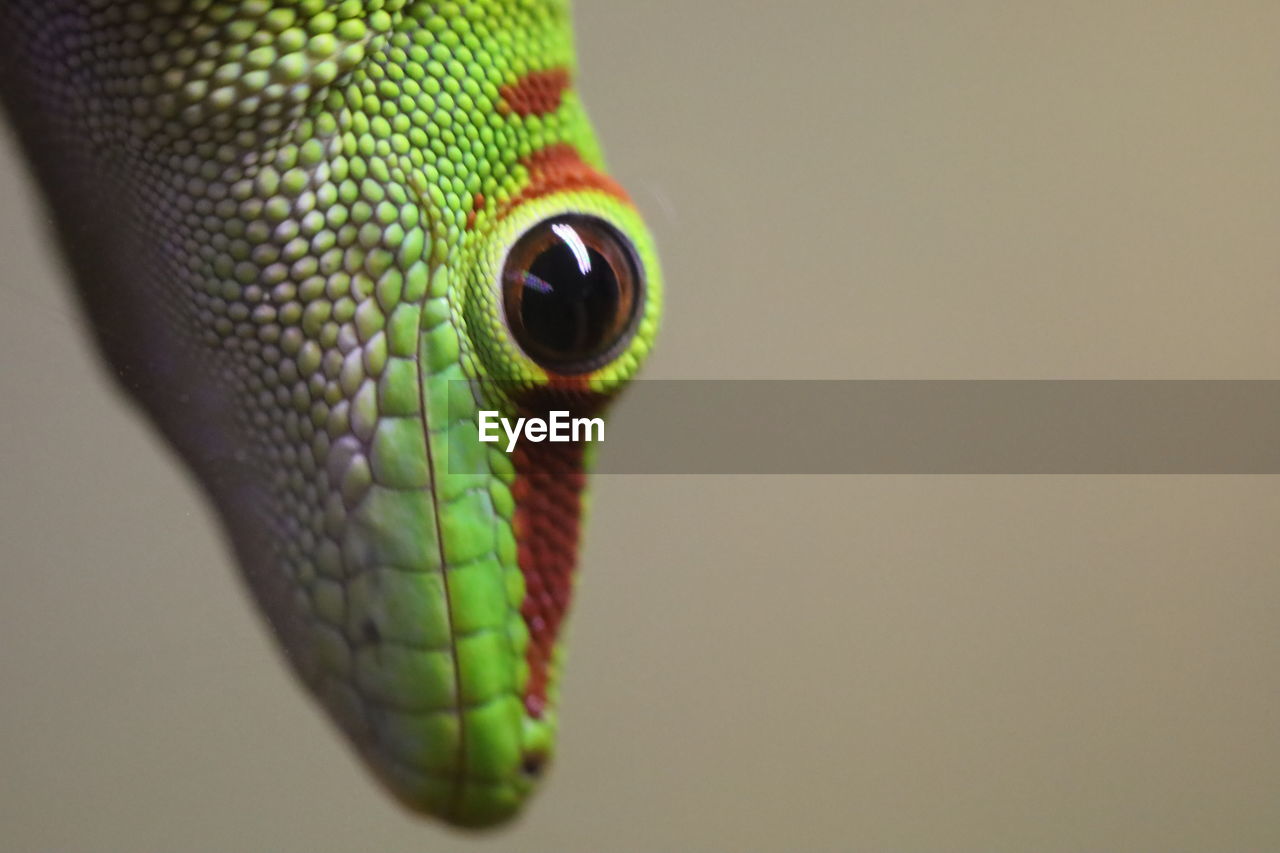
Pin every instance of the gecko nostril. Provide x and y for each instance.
(533, 765)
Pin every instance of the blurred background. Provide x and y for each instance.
(840, 189)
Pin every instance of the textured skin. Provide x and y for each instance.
(286, 221)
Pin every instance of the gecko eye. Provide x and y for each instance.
(571, 290)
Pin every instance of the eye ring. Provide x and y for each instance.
(572, 292)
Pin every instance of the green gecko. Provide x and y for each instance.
(315, 240)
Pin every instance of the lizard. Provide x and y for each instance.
(314, 241)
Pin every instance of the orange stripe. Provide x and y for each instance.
(537, 93)
(558, 168)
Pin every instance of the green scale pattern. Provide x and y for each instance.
(267, 207)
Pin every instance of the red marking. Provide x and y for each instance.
(558, 168)
(537, 93)
(548, 495)
(477, 205)
(548, 492)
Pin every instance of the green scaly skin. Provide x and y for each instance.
(286, 219)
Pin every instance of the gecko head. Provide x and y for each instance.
(337, 234)
(556, 300)
(548, 304)
(460, 589)
(326, 238)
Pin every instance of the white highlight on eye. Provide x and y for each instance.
(566, 233)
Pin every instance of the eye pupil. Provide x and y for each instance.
(570, 292)
(568, 306)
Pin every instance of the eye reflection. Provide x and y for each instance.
(566, 233)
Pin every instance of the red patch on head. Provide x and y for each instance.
(537, 93)
(557, 168)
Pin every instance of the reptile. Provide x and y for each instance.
(313, 241)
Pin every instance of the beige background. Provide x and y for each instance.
(840, 189)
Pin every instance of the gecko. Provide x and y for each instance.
(313, 241)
